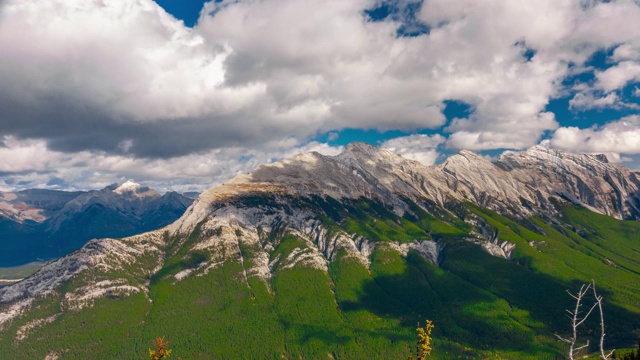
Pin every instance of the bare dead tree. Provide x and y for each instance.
(599, 303)
(576, 320)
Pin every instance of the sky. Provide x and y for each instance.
(183, 94)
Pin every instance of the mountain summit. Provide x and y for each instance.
(134, 188)
(518, 184)
(342, 255)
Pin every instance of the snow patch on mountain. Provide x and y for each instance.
(365, 247)
(52, 356)
(127, 187)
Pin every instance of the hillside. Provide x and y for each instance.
(340, 257)
(37, 224)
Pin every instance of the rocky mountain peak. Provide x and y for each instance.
(360, 151)
(551, 157)
(602, 158)
(518, 184)
(544, 153)
(585, 179)
(135, 189)
(362, 148)
(128, 186)
(466, 159)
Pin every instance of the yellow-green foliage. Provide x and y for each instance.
(423, 347)
(161, 351)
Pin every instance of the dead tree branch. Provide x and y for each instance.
(577, 320)
(599, 303)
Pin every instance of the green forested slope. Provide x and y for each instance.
(483, 306)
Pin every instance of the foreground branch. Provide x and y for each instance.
(599, 303)
(577, 320)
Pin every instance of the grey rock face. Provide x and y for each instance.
(519, 184)
(587, 180)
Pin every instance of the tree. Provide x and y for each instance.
(633, 355)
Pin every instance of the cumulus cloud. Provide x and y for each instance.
(127, 78)
(616, 77)
(587, 101)
(329, 56)
(371, 78)
(418, 147)
(627, 51)
(560, 33)
(94, 74)
(122, 82)
(480, 133)
(621, 136)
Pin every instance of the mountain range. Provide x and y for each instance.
(39, 224)
(340, 257)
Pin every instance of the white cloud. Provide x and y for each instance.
(330, 55)
(469, 133)
(127, 86)
(419, 147)
(560, 33)
(129, 57)
(622, 136)
(18, 156)
(587, 100)
(618, 76)
(32, 163)
(627, 51)
(582, 101)
(276, 64)
(370, 78)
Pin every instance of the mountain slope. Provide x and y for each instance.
(44, 224)
(339, 257)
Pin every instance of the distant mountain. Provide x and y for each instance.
(45, 224)
(191, 194)
(341, 256)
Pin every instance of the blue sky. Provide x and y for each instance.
(185, 10)
(182, 94)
